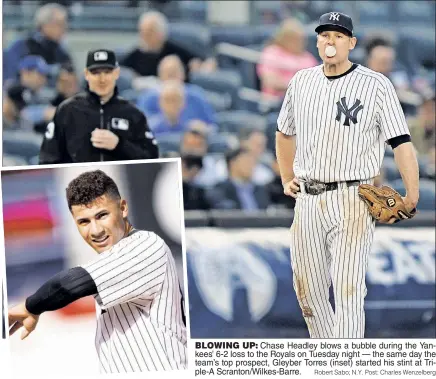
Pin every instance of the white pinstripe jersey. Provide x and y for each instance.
(341, 124)
(140, 319)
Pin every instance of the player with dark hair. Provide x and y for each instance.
(140, 315)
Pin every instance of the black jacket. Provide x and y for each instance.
(68, 137)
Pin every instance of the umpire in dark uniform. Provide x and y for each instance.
(98, 125)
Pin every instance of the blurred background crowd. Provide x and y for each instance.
(210, 77)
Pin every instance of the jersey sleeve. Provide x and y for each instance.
(133, 268)
(286, 119)
(391, 118)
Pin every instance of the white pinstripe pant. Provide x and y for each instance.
(331, 238)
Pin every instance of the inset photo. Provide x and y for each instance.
(94, 268)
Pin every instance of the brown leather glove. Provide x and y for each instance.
(384, 203)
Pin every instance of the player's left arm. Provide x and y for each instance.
(59, 291)
(396, 132)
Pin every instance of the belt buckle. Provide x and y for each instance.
(316, 188)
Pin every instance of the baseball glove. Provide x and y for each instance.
(384, 203)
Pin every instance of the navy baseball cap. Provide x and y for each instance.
(101, 58)
(335, 21)
(34, 63)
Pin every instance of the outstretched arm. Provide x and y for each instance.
(61, 290)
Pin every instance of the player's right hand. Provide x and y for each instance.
(291, 188)
(19, 317)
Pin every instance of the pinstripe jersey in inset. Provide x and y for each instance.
(331, 148)
(140, 319)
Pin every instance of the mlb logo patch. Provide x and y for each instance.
(100, 56)
(120, 124)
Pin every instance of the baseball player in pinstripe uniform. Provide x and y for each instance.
(140, 312)
(332, 129)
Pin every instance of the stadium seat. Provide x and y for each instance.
(374, 13)
(219, 101)
(225, 82)
(219, 143)
(344, 7)
(194, 37)
(268, 11)
(311, 44)
(417, 50)
(427, 193)
(193, 10)
(247, 70)
(264, 33)
(130, 95)
(12, 160)
(23, 144)
(233, 121)
(235, 35)
(416, 11)
(125, 80)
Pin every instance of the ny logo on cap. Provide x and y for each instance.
(100, 56)
(334, 16)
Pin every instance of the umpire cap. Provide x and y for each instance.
(101, 58)
(335, 21)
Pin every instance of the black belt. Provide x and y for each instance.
(316, 188)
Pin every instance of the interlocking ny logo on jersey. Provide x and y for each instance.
(349, 113)
(334, 16)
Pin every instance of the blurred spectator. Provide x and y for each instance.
(381, 57)
(239, 191)
(51, 24)
(252, 140)
(155, 45)
(194, 196)
(196, 106)
(283, 57)
(193, 149)
(275, 190)
(67, 84)
(422, 127)
(14, 100)
(171, 103)
(195, 141)
(33, 71)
